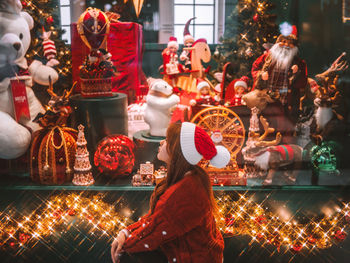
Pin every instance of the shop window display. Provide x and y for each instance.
(89, 114)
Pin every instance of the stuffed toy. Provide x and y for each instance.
(18, 104)
(161, 102)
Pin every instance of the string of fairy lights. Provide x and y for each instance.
(245, 217)
(237, 217)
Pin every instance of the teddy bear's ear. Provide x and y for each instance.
(28, 18)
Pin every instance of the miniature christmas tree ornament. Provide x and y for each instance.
(82, 166)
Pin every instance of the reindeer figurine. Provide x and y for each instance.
(58, 109)
(329, 120)
(268, 155)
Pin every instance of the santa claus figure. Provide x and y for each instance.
(281, 71)
(203, 88)
(240, 88)
(170, 57)
(188, 42)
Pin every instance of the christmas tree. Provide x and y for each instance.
(46, 18)
(249, 26)
(82, 166)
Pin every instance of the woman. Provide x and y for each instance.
(180, 223)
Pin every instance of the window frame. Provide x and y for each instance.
(193, 5)
(67, 27)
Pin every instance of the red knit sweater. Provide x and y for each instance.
(182, 225)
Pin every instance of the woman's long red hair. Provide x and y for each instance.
(178, 167)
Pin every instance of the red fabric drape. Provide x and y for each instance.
(124, 42)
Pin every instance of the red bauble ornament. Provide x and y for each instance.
(256, 18)
(24, 4)
(93, 27)
(49, 20)
(115, 155)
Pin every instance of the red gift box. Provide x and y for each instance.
(124, 42)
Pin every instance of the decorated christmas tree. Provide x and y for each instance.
(47, 44)
(248, 28)
(82, 166)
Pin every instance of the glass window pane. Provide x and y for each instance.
(178, 32)
(64, 2)
(211, 2)
(182, 13)
(204, 32)
(66, 35)
(183, 2)
(65, 15)
(204, 14)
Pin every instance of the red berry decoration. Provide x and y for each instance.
(261, 219)
(339, 235)
(23, 238)
(71, 212)
(259, 236)
(256, 18)
(57, 213)
(49, 20)
(115, 155)
(296, 248)
(229, 221)
(311, 240)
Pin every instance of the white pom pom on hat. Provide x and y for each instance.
(242, 82)
(201, 84)
(173, 42)
(196, 144)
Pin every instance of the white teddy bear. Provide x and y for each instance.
(161, 102)
(15, 26)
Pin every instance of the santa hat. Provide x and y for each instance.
(173, 42)
(196, 144)
(160, 86)
(242, 82)
(288, 31)
(201, 84)
(187, 34)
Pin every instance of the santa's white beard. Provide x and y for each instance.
(282, 55)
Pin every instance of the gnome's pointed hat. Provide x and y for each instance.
(187, 34)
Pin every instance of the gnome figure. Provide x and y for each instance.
(188, 42)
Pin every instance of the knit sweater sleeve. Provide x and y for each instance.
(180, 209)
(138, 223)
